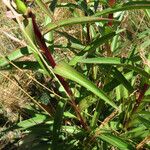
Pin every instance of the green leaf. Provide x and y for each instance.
(68, 72)
(69, 115)
(99, 41)
(97, 113)
(120, 77)
(72, 21)
(31, 65)
(91, 47)
(24, 51)
(87, 102)
(58, 123)
(102, 60)
(127, 6)
(83, 5)
(144, 121)
(147, 11)
(28, 32)
(38, 119)
(21, 6)
(111, 85)
(69, 37)
(115, 61)
(43, 6)
(116, 141)
(121, 92)
(144, 113)
(53, 5)
(137, 132)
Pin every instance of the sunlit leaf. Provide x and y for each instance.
(68, 72)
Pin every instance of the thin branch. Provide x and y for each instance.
(143, 142)
(14, 38)
(138, 102)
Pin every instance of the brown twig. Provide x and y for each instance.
(14, 38)
(138, 102)
(142, 143)
(110, 117)
(106, 120)
(140, 97)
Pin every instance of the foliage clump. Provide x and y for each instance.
(88, 84)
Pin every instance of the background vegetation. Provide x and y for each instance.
(74, 74)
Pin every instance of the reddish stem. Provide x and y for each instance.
(140, 97)
(41, 43)
(44, 48)
(138, 102)
(110, 23)
(111, 3)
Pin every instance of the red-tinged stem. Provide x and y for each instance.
(111, 3)
(138, 102)
(140, 97)
(41, 43)
(44, 48)
(110, 23)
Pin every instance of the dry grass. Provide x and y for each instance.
(9, 27)
(11, 97)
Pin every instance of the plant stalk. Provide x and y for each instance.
(138, 102)
(47, 54)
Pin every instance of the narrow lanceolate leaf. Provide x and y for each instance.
(87, 102)
(69, 37)
(102, 60)
(28, 26)
(144, 121)
(24, 51)
(114, 61)
(120, 77)
(68, 72)
(28, 32)
(126, 6)
(43, 6)
(99, 41)
(76, 44)
(31, 65)
(57, 123)
(72, 21)
(91, 47)
(38, 119)
(116, 141)
(114, 82)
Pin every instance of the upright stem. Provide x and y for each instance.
(88, 39)
(138, 102)
(111, 3)
(44, 48)
(140, 97)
